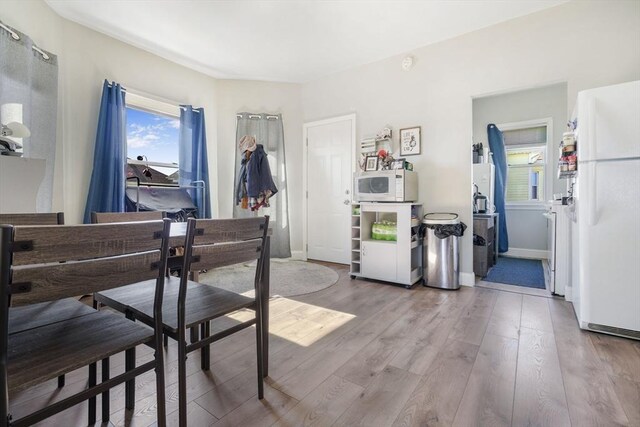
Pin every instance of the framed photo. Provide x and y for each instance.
(372, 163)
(410, 141)
(397, 164)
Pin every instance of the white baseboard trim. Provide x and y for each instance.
(300, 255)
(527, 253)
(467, 279)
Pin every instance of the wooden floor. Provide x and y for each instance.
(369, 354)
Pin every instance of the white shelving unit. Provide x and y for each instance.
(397, 261)
(355, 240)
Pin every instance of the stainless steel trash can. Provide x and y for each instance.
(441, 256)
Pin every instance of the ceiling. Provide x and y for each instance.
(287, 41)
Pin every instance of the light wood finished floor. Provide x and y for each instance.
(368, 354)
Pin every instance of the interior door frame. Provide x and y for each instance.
(305, 189)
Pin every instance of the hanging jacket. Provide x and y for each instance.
(241, 183)
(259, 180)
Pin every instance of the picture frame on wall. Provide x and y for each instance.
(410, 141)
(371, 163)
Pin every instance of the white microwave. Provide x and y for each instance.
(398, 185)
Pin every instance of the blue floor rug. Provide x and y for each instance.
(517, 271)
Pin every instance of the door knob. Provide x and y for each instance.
(346, 202)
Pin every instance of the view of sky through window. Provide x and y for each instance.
(152, 135)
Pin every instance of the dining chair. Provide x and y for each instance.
(210, 243)
(115, 217)
(37, 314)
(46, 264)
(53, 218)
(107, 217)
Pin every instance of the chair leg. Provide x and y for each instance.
(61, 381)
(182, 379)
(266, 293)
(194, 334)
(130, 386)
(93, 373)
(265, 335)
(106, 395)
(129, 364)
(160, 385)
(260, 355)
(205, 352)
(166, 340)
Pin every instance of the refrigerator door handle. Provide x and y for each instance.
(592, 181)
(592, 166)
(591, 136)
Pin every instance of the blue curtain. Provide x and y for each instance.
(106, 191)
(496, 144)
(193, 157)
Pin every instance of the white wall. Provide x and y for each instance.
(86, 58)
(526, 226)
(586, 44)
(235, 96)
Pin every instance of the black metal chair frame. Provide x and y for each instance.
(38, 219)
(10, 246)
(191, 262)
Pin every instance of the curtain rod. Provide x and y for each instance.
(258, 116)
(182, 107)
(16, 37)
(125, 89)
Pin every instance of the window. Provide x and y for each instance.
(526, 147)
(153, 129)
(525, 176)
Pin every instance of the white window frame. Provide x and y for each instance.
(144, 102)
(548, 163)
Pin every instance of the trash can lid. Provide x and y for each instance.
(440, 218)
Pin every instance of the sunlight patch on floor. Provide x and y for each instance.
(299, 322)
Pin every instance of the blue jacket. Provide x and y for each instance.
(257, 174)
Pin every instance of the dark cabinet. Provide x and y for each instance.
(485, 256)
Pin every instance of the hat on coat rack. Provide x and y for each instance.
(247, 143)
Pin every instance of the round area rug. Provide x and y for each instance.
(288, 277)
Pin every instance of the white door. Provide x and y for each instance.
(329, 147)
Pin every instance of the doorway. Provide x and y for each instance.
(528, 124)
(328, 169)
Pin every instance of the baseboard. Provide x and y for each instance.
(568, 293)
(298, 255)
(467, 279)
(527, 253)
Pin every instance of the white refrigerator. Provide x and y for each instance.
(606, 228)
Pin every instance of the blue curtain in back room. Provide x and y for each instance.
(192, 158)
(106, 191)
(496, 144)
